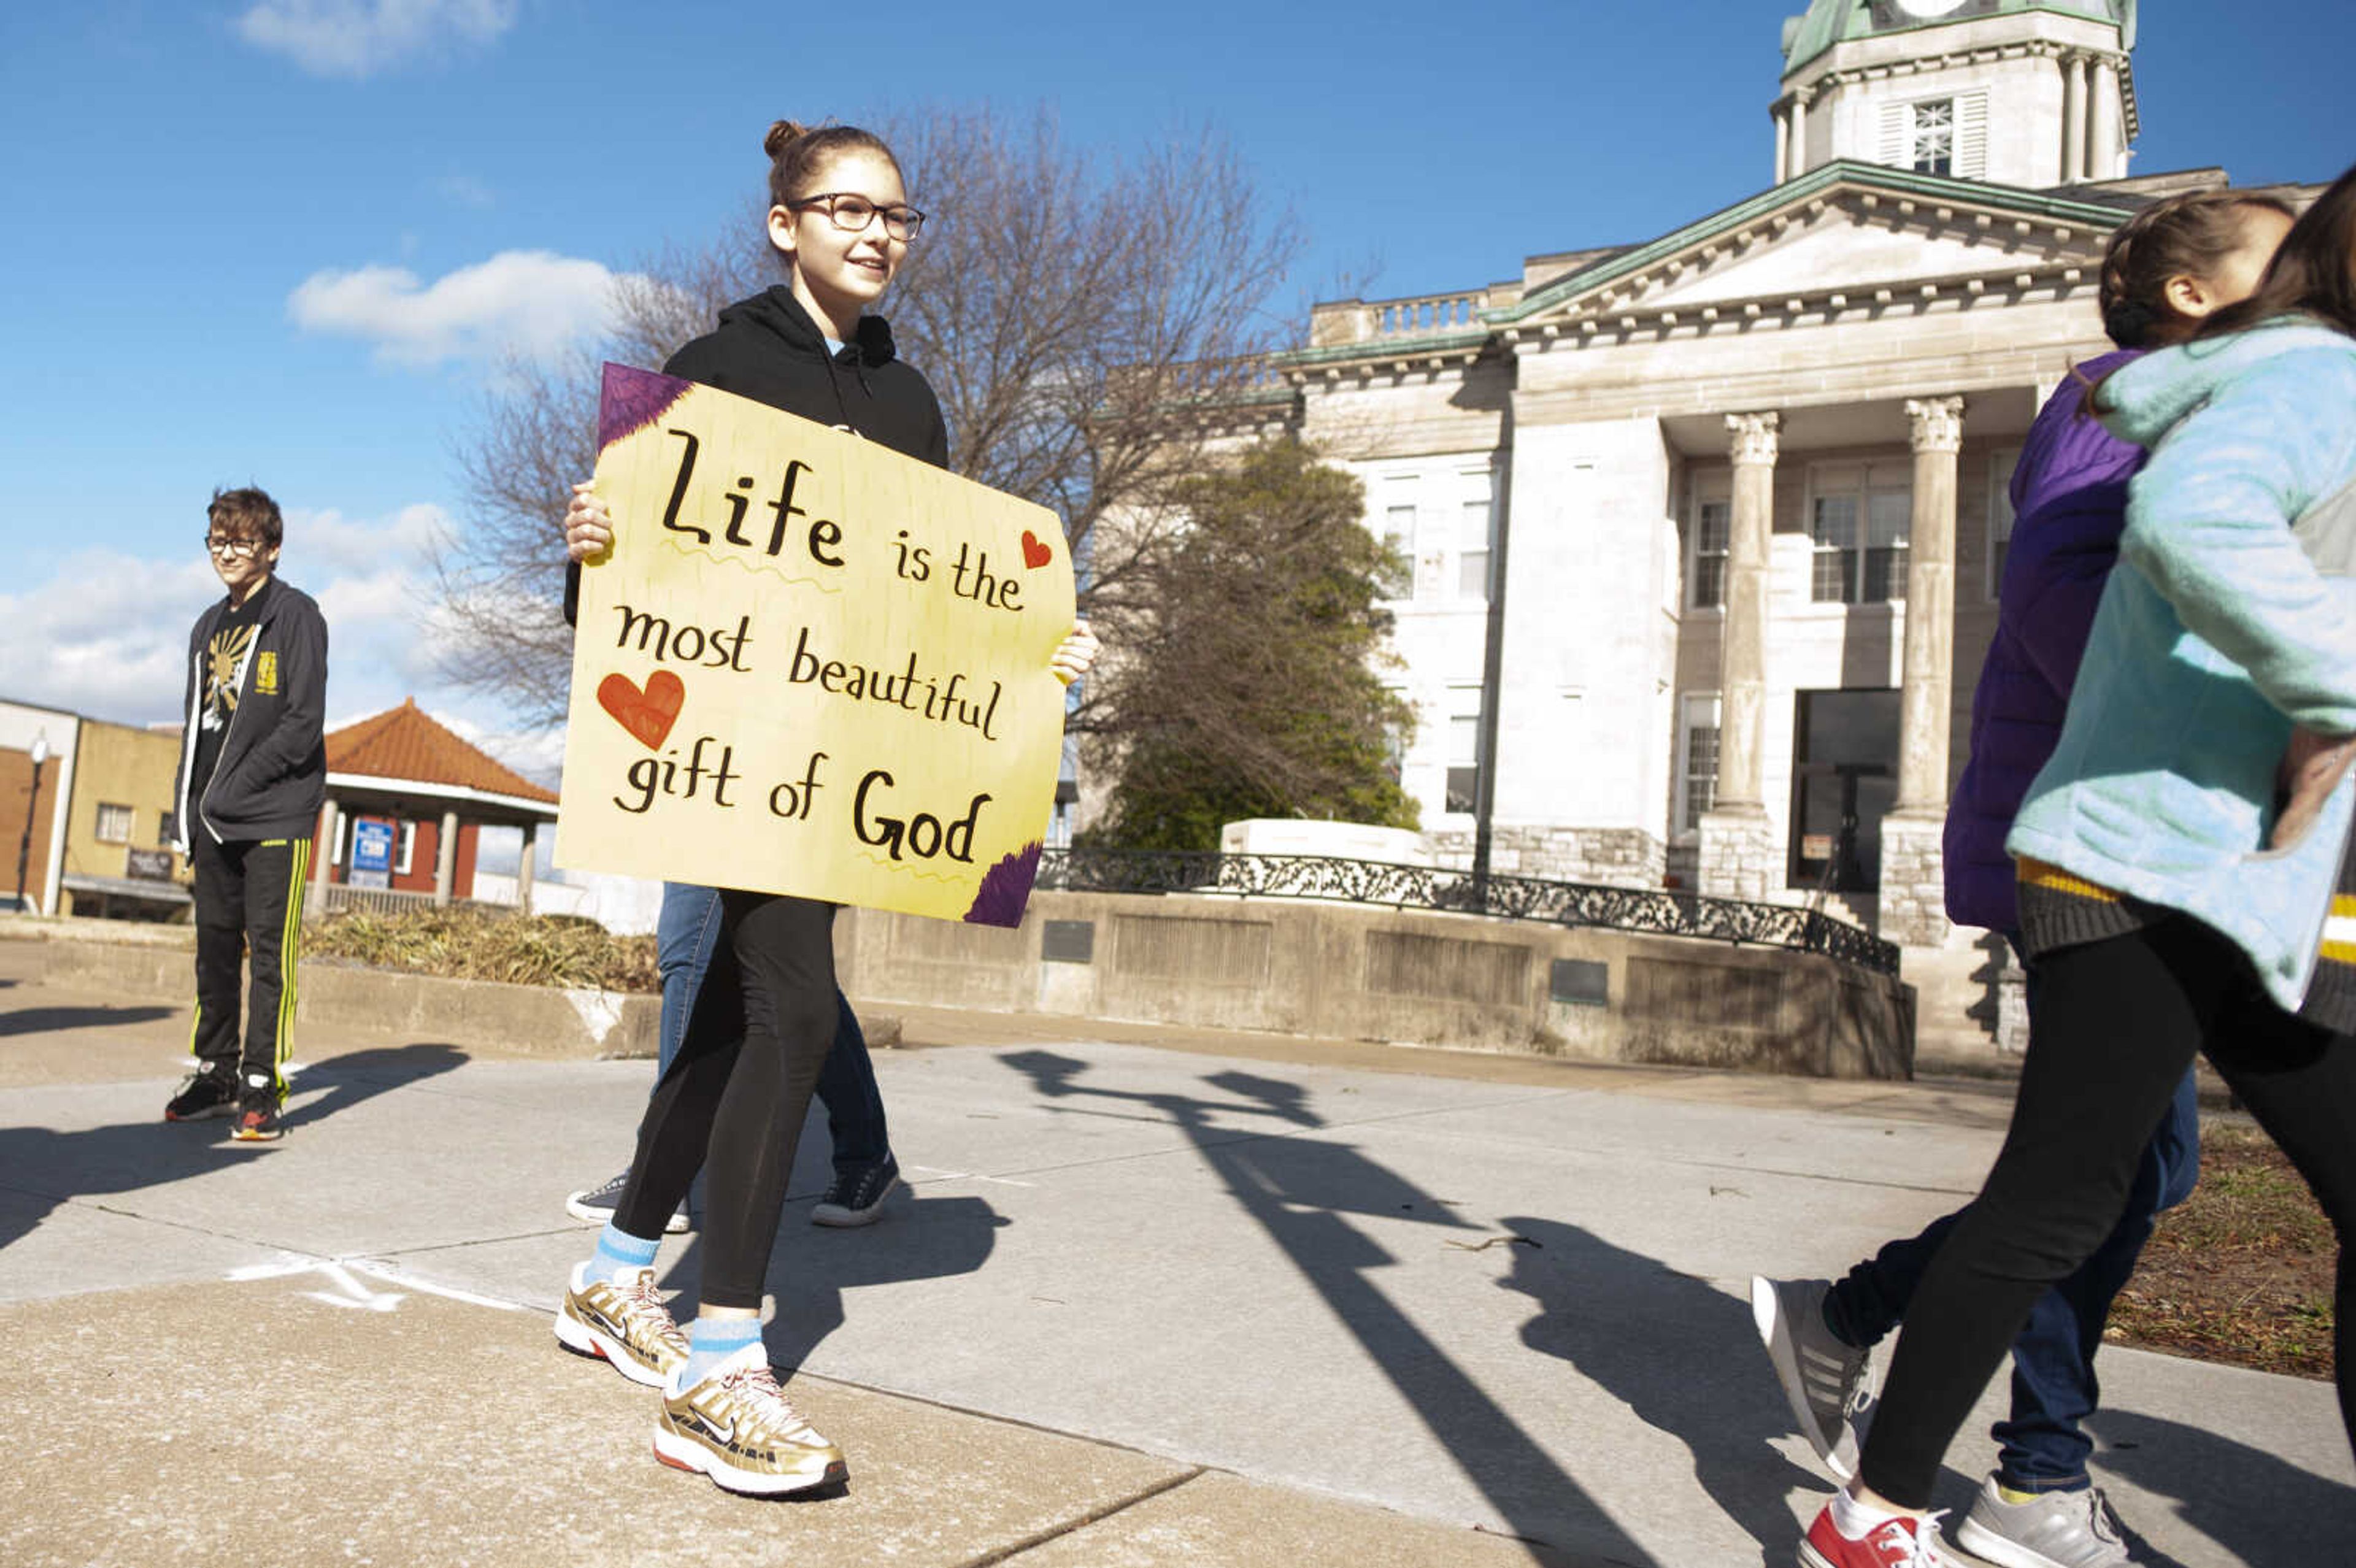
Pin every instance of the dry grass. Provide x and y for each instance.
(2243, 1272)
(467, 944)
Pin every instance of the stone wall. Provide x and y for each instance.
(1353, 973)
(1613, 857)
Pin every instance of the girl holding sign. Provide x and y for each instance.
(731, 1103)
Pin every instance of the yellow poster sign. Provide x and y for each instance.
(809, 664)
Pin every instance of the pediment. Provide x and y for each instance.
(1852, 229)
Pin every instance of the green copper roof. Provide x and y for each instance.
(1829, 22)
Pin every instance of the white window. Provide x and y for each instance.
(1464, 748)
(1696, 760)
(1398, 530)
(1937, 135)
(1858, 516)
(114, 823)
(408, 845)
(1707, 543)
(2000, 467)
(1476, 540)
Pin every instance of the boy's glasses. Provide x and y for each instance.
(852, 214)
(243, 549)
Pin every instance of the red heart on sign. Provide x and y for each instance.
(1035, 553)
(647, 714)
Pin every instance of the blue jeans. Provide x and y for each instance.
(685, 933)
(2044, 1448)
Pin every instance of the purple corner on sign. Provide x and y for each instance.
(1005, 888)
(629, 400)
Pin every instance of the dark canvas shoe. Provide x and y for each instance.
(596, 1205)
(257, 1116)
(857, 1198)
(203, 1093)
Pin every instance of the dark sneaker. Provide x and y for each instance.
(2051, 1530)
(204, 1094)
(857, 1198)
(257, 1117)
(596, 1205)
(1823, 1376)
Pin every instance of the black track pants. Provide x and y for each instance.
(248, 904)
(2116, 1025)
(733, 1099)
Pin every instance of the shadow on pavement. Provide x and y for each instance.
(53, 1168)
(920, 1237)
(1300, 1192)
(1679, 1352)
(2258, 1506)
(41, 1021)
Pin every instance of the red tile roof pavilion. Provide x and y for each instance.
(407, 746)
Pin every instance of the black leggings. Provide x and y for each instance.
(735, 1095)
(2116, 1023)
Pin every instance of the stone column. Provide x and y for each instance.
(2103, 126)
(2074, 119)
(331, 823)
(1738, 849)
(1799, 162)
(525, 866)
(445, 857)
(1913, 879)
(1782, 146)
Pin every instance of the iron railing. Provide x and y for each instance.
(1653, 912)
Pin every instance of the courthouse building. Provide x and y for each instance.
(1708, 529)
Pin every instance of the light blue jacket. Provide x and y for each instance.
(2217, 632)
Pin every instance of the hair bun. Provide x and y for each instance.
(2128, 323)
(782, 135)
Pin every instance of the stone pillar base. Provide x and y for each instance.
(1740, 857)
(1913, 879)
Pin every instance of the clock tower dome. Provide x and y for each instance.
(2037, 93)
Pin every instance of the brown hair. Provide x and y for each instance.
(2191, 235)
(797, 151)
(247, 511)
(2313, 274)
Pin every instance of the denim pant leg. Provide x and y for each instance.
(685, 932)
(2054, 1388)
(854, 1106)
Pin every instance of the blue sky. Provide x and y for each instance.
(283, 241)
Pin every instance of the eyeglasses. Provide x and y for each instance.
(852, 214)
(243, 549)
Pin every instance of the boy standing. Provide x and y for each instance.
(254, 773)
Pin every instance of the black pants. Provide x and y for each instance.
(734, 1096)
(249, 902)
(2116, 1023)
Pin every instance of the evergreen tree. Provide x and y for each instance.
(1255, 689)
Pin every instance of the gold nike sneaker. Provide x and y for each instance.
(622, 1321)
(737, 1427)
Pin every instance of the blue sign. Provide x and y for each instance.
(371, 853)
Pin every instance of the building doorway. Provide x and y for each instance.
(1844, 780)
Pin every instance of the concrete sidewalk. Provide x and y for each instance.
(1154, 1299)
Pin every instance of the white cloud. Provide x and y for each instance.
(464, 190)
(359, 38)
(533, 303)
(107, 634)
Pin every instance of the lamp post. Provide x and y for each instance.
(40, 754)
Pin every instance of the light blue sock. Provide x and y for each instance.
(712, 1340)
(619, 1250)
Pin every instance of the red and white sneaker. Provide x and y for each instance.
(1902, 1541)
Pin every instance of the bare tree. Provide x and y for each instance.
(1077, 313)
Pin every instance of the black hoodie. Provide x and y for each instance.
(270, 776)
(767, 349)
